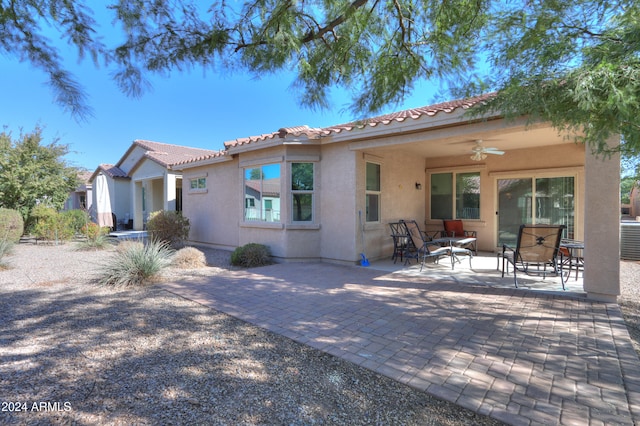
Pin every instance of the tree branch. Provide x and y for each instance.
(333, 24)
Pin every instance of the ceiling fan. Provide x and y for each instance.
(480, 152)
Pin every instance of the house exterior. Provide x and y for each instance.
(336, 189)
(634, 201)
(82, 197)
(143, 181)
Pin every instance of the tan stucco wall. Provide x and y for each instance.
(565, 159)
(400, 199)
(214, 214)
(338, 204)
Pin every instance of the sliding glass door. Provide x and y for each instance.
(536, 200)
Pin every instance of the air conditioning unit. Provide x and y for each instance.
(630, 240)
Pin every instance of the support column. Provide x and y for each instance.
(169, 192)
(602, 226)
(138, 223)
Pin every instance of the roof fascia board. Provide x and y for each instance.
(410, 125)
(254, 146)
(466, 129)
(201, 163)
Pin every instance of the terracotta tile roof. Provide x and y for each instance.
(306, 131)
(317, 133)
(168, 155)
(85, 176)
(414, 113)
(110, 170)
(400, 116)
(213, 154)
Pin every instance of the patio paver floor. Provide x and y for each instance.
(521, 356)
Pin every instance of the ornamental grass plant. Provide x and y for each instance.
(136, 264)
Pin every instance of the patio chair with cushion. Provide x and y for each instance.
(454, 228)
(422, 247)
(536, 252)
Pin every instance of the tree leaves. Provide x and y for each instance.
(572, 62)
(31, 173)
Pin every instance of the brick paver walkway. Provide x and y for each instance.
(520, 356)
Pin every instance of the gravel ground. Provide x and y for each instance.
(74, 352)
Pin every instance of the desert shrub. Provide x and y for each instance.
(251, 255)
(76, 219)
(168, 226)
(96, 238)
(189, 258)
(137, 264)
(11, 225)
(93, 231)
(50, 225)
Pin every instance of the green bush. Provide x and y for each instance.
(97, 238)
(251, 255)
(169, 226)
(51, 225)
(11, 225)
(76, 219)
(136, 264)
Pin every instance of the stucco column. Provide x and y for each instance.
(169, 192)
(602, 226)
(137, 206)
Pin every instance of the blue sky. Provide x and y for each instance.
(186, 108)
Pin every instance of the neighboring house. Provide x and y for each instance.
(634, 201)
(81, 198)
(143, 181)
(337, 188)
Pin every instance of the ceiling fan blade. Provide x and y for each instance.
(493, 151)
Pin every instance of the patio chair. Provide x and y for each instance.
(455, 228)
(536, 252)
(400, 240)
(422, 247)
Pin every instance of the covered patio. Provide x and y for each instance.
(484, 271)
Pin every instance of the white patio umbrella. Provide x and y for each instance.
(103, 202)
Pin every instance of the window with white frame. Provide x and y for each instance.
(372, 192)
(198, 183)
(262, 193)
(455, 195)
(302, 192)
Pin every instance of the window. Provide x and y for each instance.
(455, 192)
(198, 183)
(262, 193)
(533, 199)
(302, 192)
(372, 192)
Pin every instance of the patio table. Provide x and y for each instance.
(456, 242)
(571, 254)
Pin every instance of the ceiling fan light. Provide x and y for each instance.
(478, 156)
